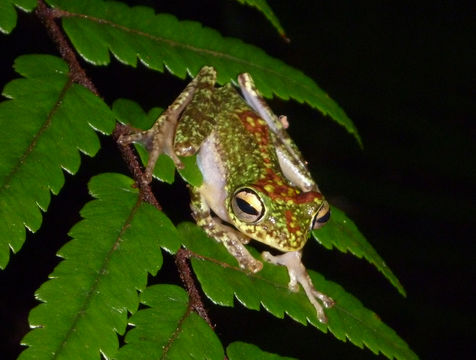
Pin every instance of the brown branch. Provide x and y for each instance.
(77, 73)
(196, 303)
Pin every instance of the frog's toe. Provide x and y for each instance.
(328, 302)
(178, 163)
(294, 287)
(321, 316)
(186, 148)
(125, 140)
(254, 266)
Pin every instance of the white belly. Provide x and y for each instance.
(214, 177)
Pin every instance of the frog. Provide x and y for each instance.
(256, 184)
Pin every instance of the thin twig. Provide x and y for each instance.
(47, 17)
(196, 303)
(182, 260)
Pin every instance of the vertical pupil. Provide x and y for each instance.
(246, 207)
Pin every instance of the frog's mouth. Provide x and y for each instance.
(267, 233)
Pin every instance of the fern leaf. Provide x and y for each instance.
(222, 279)
(85, 304)
(8, 14)
(263, 6)
(130, 112)
(242, 351)
(46, 122)
(168, 329)
(95, 28)
(342, 233)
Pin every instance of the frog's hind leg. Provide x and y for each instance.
(231, 238)
(160, 137)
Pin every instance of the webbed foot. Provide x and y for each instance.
(298, 274)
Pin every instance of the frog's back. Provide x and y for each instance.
(244, 138)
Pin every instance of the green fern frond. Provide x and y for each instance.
(8, 14)
(85, 304)
(342, 233)
(46, 122)
(263, 6)
(222, 280)
(168, 329)
(131, 33)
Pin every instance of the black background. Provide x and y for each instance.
(403, 72)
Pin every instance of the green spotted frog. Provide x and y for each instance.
(256, 184)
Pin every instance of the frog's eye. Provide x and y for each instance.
(322, 216)
(247, 205)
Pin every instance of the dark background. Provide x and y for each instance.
(403, 72)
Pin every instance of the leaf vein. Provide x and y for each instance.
(99, 277)
(236, 268)
(196, 49)
(46, 124)
(177, 331)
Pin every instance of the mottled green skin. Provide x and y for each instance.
(247, 151)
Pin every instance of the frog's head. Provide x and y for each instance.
(281, 219)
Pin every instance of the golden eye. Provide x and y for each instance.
(323, 215)
(247, 205)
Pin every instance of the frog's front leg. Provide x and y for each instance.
(166, 136)
(298, 274)
(229, 237)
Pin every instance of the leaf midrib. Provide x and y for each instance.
(375, 259)
(102, 21)
(30, 148)
(178, 330)
(398, 346)
(99, 276)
